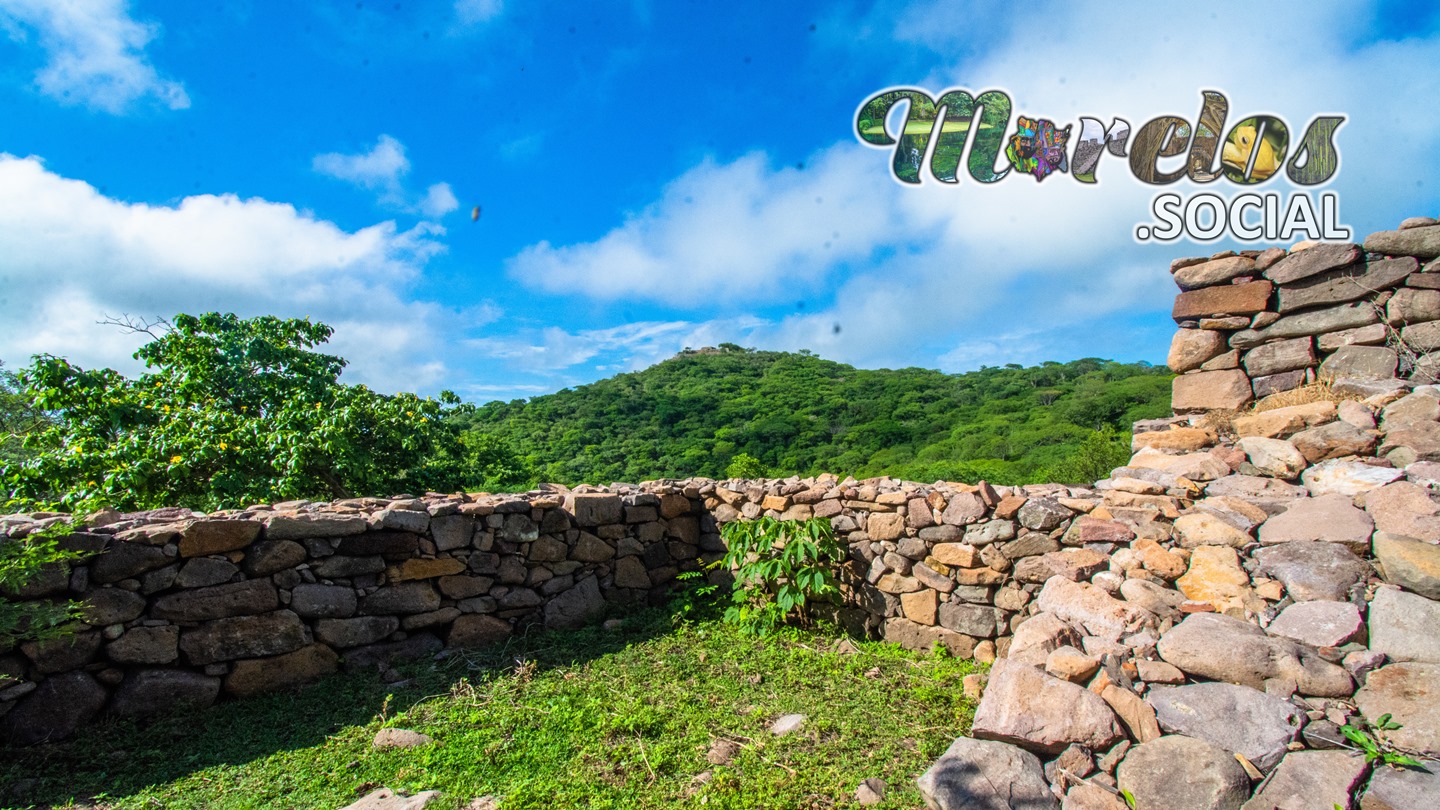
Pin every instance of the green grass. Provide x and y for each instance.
(594, 718)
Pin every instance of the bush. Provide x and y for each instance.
(744, 465)
(22, 560)
(779, 565)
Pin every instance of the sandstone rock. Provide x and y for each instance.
(971, 620)
(1176, 438)
(1273, 457)
(387, 738)
(1236, 718)
(302, 666)
(1281, 422)
(1086, 796)
(478, 630)
(1372, 335)
(1335, 440)
(1157, 599)
(1280, 356)
(870, 792)
(1074, 564)
(1191, 348)
(218, 602)
(919, 607)
(1070, 664)
(1135, 715)
(1347, 477)
(243, 637)
(596, 509)
(1201, 529)
(913, 636)
(1230, 299)
(452, 531)
(64, 653)
(1039, 636)
(1401, 789)
(1346, 284)
(150, 692)
(1182, 772)
(1225, 649)
(983, 775)
(1360, 363)
(1410, 694)
(1086, 606)
(1029, 708)
(387, 799)
(343, 566)
(396, 545)
(1312, 262)
(215, 536)
(1215, 271)
(963, 509)
(1319, 623)
(1405, 509)
(1216, 578)
(59, 706)
(1312, 570)
(1309, 779)
(1329, 518)
(1422, 337)
(404, 597)
(1408, 443)
(1211, 390)
(1086, 529)
(427, 569)
(1403, 626)
(1412, 564)
(1277, 383)
(1314, 322)
(201, 572)
(1423, 242)
(1413, 407)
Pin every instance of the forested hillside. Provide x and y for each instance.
(701, 411)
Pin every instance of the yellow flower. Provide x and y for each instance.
(176, 459)
(409, 413)
(223, 445)
(75, 449)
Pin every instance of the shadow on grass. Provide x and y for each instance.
(117, 758)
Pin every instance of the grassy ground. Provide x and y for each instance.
(601, 719)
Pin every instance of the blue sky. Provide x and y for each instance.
(652, 175)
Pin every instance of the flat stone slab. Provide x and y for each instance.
(1311, 779)
(1412, 564)
(1091, 609)
(1347, 477)
(1404, 626)
(1221, 648)
(1330, 518)
(1237, 718)
(1410, 694)
(1311, 570)
(1406, 509)
(1182, 772)
(986, 775)
(1401, 789)
(1319, 623)
(1027, 707)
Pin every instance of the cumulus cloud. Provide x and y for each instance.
(95, 53)
(383, 170)
(964, 275)
(75, 256)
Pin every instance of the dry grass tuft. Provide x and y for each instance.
(1319, 391)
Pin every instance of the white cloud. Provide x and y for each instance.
(74, 256)
(383, 170)
(96, 53)
(474, 12)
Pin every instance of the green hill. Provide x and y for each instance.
(702, 411)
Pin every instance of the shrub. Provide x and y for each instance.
(779, 565)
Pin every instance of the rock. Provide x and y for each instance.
(1039, 636)
(920, 606)
(342, 566)
(1211, 390)
(1029, 708)
(1401, 789)
(1363, 363)
(1225, 649)
(1181, 439)
(1237, 718)
(104, 606)
(62, 653)
(323, 601)
(1215, 577)
(1346, 284)
(1202, 529)
(1229, 299)
(387, 799)
(1422, 242)
(1310, 779)
(972, 620)
(576, 607)
(1330, 518)
(1135, 715)
(1303, 324)
(1157, 599)
(1190, 348)
(983, 775)
(150, 692)
(1182, 772)
(417, 569)
(1074, 564)
(1412, 564)
(1405, 509)
(302, 527)
(1278, 423)
(478, 630)
(127, 560)
(870, 792)
(1312, 570)
(1070, 664)
(404, 597)
(218, 602)
(1415, 407)
(1403, 626)
(1215, 271)
(216, 536)
(1335, 440)
(1282, 355)
(1312, 262)
(1410, 694)
(146, 645)
(963, 509)
(1154, 672)
(1277, 383)
(355, 632)
(1043, 514)
(243, 637)
(307, 664)
(389, 543)
(59, 706)
(913, 636)
(387, 738)
(1347, 477)
(1407, 443)
(1086, 796)
(1273, 457)
(1091, 608)
(204, 571)
(597, 509)
(1319, 624)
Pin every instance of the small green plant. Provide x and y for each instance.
(780, 566)
(22, 560)
(692, 592)
(744, 465)
(1364, 734)
(1128, 797)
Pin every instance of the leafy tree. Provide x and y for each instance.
(229, 412)
(744, 465)
(18, 418)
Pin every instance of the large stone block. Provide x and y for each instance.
(215, 536)
(244, 637)
(218, 602)
(597, 509)
(1211, 390)
(1230, 299)
(1191, 348)
(1346, 284)
(307, 664)
(1312, 261)
(1422, 243)
(985, 775)
(1282, 355)
(150, 692)
(55, 709)
(1029, 708)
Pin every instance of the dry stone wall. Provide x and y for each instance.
(1261, 322)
